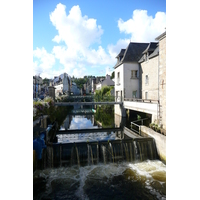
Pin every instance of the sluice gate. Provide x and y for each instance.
(91, 153)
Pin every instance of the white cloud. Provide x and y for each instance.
(142, 27)
(78, 33)
(115, 49)
(43, 61)
(75, 30)
(109, 70)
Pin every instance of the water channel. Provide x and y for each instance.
(102, 165)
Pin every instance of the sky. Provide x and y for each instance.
(84, 37)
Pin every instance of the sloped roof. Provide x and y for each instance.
(121, 53)
(161, 36)
(132, 53)
(155, 53)
(61, 76)
(151, 47)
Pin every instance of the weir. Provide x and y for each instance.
(92, 153)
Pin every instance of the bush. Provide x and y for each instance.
(155, 127)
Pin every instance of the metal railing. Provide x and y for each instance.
(142, 100)
(136, 127)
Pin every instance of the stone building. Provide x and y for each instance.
(162, 78)
(149, 72)
(140, 73)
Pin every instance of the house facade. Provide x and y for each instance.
(62, 84)
(140, 73)
(162, 78)
(149, 72)
(37, 82)
(127, 71)
(106, 82)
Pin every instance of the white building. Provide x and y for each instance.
(66, 83)
(62, 84)
(127, 71)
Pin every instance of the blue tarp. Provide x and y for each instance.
(39, 144)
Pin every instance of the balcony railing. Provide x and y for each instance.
(142, 100)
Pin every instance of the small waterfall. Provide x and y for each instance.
(126, 151)
(103, 148)
(97, 153)
(91, 153)
(111, 152)
(77, 155)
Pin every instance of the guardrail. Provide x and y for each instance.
(136, 127)
(142, 100)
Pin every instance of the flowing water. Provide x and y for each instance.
(142, 180)
(100, 165)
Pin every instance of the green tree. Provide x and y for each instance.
(113, 75)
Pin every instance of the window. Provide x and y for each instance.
(134, 73)
(134, 94)
(147, 79)
(146, 95)
(118, 78)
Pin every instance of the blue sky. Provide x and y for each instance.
(83, 37)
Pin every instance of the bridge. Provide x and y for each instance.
(86, 103)
(148, 106)
(78, 100)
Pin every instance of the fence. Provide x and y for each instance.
(141, 100)
(136, 126)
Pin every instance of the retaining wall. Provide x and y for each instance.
(160, 141)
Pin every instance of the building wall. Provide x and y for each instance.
(66, 84)
(150, 68)
(75, 90)
(58, 88)
(131, 83)
(98, 86)
(162, 80)
(160, 141)
(119, 82)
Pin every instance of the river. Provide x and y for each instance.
(122, 179)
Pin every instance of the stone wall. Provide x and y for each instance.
(162, 80)
(150, 68)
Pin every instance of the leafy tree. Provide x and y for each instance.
(45, 81)
(113, 75)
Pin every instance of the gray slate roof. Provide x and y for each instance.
(152, 49)
(121, 53)
(132, 53)
(161, 36)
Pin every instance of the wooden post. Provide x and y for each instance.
(34, 161)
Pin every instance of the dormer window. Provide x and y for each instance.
(120, 58)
